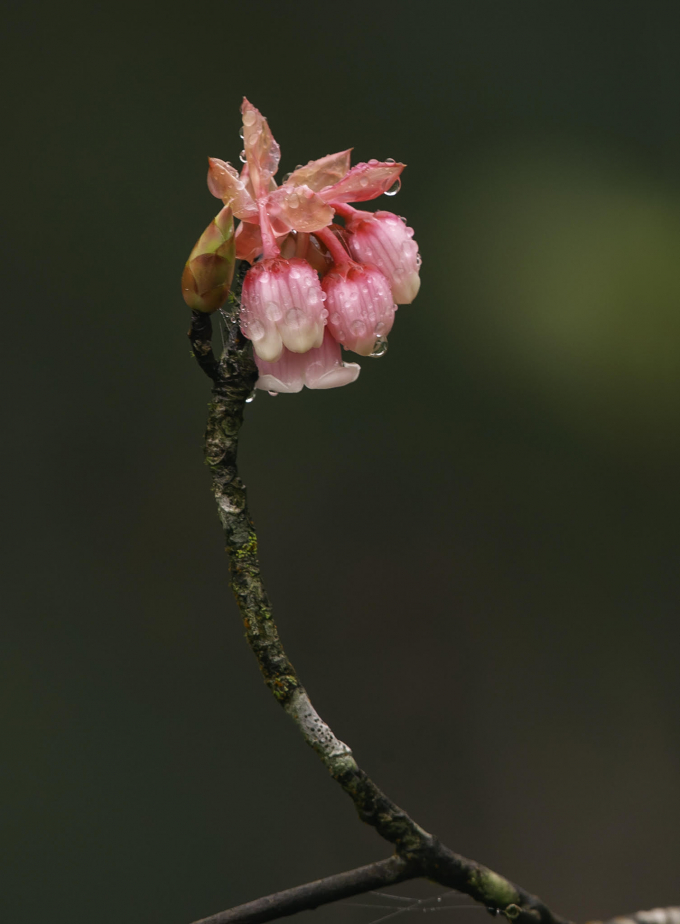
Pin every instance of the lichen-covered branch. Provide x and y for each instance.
(233, 380)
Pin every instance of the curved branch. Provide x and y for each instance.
(321, 892)
(233, 381)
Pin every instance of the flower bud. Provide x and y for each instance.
(360, 306)
(384, 239)
(282, 306)
(321, 367)
(210, 268)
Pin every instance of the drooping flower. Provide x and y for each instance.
(282, 305)
(285, 233)
(384, 239)
(320, 367)
(359, 301)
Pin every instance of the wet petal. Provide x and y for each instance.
(262, 152)
(299, 208)
(225, 183)
(364, 181)
(323, 172)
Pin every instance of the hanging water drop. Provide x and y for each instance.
(287, 177)
(273, 393)
(379, 348)
(241, 132)
(251, 397)
(390, 160)
(242, 157)
(394, 188)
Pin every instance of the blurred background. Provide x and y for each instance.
(472, 551)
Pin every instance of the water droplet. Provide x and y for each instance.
(390, 160)
(341, 335)
(242, 157)
(419, 261)
(324, 314)
(363, 181)
(394, 189)
(373, 161)
(286, 177)
(403, 219)
(294, 317)
(298, 167)
(324, 296)
(293, 201)
(335, 318)
(273, 311)
(249, 118)
(251, 397)
(379, 347)
(357, 328)
(273, 393)
(241, 132)
(295, 273)
(379, 328)
(256, 330)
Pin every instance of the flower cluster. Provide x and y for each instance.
(315, 284)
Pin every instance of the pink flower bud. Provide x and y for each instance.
(210, 268)
(384, 239)
(321, 367)
(360, 306)
(282, 306)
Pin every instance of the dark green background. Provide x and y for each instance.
(472, 552)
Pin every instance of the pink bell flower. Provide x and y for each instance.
(384, 239)
(359, 301)
(282, 305)
(320, 367)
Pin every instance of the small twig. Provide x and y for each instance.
(322, 892)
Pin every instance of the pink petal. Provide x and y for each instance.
(225, 183)
(364, 181)
(262, 152)
(322, 172)
(248, 241)
(298, 208)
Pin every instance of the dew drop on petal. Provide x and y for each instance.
(390, 160)
(394, 188)
(256, 330)
(324, 296)
(273, 393)
(273, 311)
(286, 177)
(242, 157)
(363, 181)
(373, 161)
(379, 328)
(293, 201)
(357, 328)
(249, 118)
(251, 397)
(419, 261)
(379, 348)
(241, 133)
(335, 318)
(294, 317)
